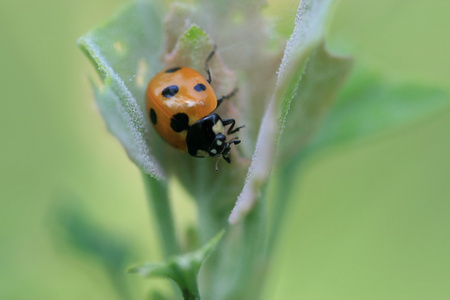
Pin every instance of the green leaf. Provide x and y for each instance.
(370, 104)
(321, 81)
(309, 31)
(126, 51)
(182, 269)
(304, 70)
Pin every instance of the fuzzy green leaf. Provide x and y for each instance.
(321, 80)
(125, 49)
(370, 105)
(305, 68)
(182, 269)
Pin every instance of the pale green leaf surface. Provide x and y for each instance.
(125, 62)
(306, 38)
(310, 22)
(321, 80)
(369, 105)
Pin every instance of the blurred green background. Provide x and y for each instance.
(370, 221)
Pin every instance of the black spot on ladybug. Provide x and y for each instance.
(179, 122)
(153, 116)
(172, 70)
(170, 91)
(200, 87)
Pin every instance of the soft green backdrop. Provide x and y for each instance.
(370, 221)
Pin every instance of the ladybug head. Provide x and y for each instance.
(218, 145)
(206, 137)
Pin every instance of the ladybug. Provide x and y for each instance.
(181, 104)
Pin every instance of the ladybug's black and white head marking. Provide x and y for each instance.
(206, 137)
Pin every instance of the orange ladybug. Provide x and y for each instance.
(180, 104)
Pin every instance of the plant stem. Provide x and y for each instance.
(159, 202)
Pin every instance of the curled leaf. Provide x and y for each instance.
(125, 62)
(306, 70)
(323, 77)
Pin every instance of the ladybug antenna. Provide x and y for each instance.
(217, 164)
(208, 71)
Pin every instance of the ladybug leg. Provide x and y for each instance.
(231, 130)
(208, 71)
(209, 79)
(227, 159)
(224, 97)
(227, 149)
